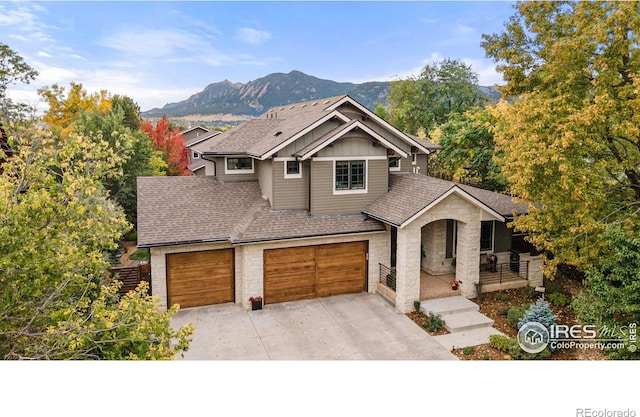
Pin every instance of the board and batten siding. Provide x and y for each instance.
(265, 178)
(355, 143)
(385, 133)
(406, 164)
(324, 202)
(308, 138)
(290, 193)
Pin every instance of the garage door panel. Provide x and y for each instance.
(200, 278)
(314, 271)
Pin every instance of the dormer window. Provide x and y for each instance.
(238, 165)
(394, 163)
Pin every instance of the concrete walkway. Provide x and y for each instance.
(466, 325)
(347, 327)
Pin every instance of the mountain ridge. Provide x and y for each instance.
(276, 89)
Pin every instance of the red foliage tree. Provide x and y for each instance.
(171, 144)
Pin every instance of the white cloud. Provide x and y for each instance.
(252, 36)
(487, 74)
(21, 16)
(151, 43)
(463, 29)
(44, 54)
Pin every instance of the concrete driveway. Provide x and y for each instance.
(353, 326)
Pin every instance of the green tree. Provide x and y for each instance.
(571, 142)
(130, 109)
(468, 149)
(56, 224)
(613, 297)
(420, 103)
(13, 70)
(134, 148)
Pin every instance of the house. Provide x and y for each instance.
(315, 199)
(192, 137)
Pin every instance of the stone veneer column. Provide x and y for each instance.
(408, 268)
(536, 276)
(467, 257)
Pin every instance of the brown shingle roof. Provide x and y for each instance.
(258, 136)
(410, 193)
(174, 210)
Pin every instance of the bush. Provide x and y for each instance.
(416, 306)
(551, 287)
(468, 350)
(512, 347)
(503, 298)
(528, 293)
(503, 311)
(539, 312)
(514, 315)
(558, 299)
(433, 322)
(500, 342)
(131, 235)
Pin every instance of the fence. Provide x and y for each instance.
(131, 276)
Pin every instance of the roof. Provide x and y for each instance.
(207, 210)
(282, 125)
(205, 136)
(429, 145)
(257, 137)
(410, 194)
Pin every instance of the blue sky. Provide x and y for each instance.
(159, 52)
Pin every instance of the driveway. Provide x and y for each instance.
(353, 326)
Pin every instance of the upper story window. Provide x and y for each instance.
(350, 175)
(238, 165)
(414, 159)
(196, 155)
(394, 163)
(293, 169)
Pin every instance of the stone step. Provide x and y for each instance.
(473, 337)
(467, 320)
(448, 305)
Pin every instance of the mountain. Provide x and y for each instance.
(277, 89)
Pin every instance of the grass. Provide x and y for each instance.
(141, 254)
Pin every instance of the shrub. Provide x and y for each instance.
(468, 350)
(539, 312)
(503, 298)
(551, 287)
(512, 347)
(514, 315)
(503, 311)
(416, 306)
(433, 322)
(528, 293)
(558, 299)
(500, 342)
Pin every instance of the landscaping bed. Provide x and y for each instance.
(495, 305)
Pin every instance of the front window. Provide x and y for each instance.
(239, 165)
(486, 236)
(350, 175)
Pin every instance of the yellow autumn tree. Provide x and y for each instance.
(66, 105)
(570, 142)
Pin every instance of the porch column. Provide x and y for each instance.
(468, 257)
(407, 268)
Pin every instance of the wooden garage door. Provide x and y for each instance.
(314, 271)
(200, 278)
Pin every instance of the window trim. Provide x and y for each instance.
(290, 176)
(395, 169)
(196, 155)
(364, 190)
(238, 171)
(414, 159)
